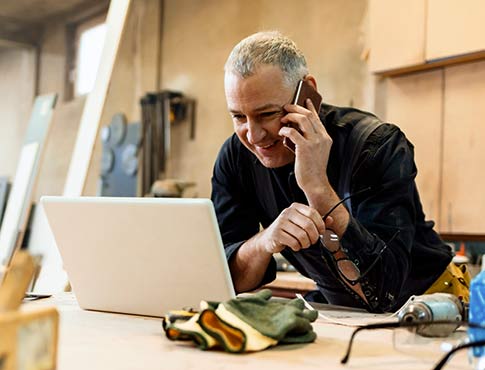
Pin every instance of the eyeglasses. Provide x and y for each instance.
(416, 324)
(347, 268)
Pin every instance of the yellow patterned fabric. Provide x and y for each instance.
(454, 280)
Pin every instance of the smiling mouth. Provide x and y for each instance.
(268, 146)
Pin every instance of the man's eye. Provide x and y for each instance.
(269, 114)
(238, 117)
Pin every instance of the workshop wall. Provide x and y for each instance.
(198, 36)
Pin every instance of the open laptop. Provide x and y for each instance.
(142, 256)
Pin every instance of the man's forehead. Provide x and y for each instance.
(262, 91)
(264, 107)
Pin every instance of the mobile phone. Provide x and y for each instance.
(304, 90)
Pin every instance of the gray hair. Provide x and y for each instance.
(270, 48)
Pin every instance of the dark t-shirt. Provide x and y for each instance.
(246, 195)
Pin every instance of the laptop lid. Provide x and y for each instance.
(142, 256)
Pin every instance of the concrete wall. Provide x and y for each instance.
(198, 36)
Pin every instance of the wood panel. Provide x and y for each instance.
(463, 199)
(414, 104)
(454, 27)
(397, 33)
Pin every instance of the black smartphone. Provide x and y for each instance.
(304, 90)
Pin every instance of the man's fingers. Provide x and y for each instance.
(304, 223)
(307, 119)
(309, 233)
(303, 120)
(299, 234)
(310, 106)
(289, 240)
(311, 214)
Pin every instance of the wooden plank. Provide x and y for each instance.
(90, 120)
(454, 28)
(396, 34)
(414, 104)
(464, 134)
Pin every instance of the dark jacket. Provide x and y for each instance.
(247, 194)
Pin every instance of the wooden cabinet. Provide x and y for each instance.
(414, 103)
(442, 113)
(463, 194)
(454, 27)
(416, 35)
(396, 33)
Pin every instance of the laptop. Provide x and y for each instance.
(141, 256)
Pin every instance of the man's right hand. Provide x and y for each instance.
(297, 227)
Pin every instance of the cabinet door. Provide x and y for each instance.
(463, 197)
(396, 33)
(454, 27)
(414, 104)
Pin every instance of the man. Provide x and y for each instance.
(374, 256)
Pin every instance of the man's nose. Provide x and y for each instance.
(256, 133)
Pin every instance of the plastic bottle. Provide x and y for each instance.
(477, 313)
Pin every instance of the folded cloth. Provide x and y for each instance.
(244, 324)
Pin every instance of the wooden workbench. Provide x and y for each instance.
(97, 340)
(287, 284)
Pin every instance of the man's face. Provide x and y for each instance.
(256, 106)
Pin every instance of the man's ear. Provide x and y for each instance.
(311, 79)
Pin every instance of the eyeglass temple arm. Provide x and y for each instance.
(477, 343)
(447, 356)
(324, 218)
(397, 324)
(388, 325)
